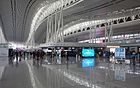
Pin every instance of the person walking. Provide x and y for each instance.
(42, 54)
(11, 55)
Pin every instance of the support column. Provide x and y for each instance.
(108, 32)
(47, 31)
(0, 35)
(94, 32)
(105, 33)
(62, 27)
(90, 36)
(59, 26)
(55, 36)
(32, 40)
(50, 30)
(2, 38)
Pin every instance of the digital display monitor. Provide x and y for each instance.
(88, 52)
(88, 62)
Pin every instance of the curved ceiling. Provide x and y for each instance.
(17, 15)
(95, 10)
(118, 29)
(98, 9)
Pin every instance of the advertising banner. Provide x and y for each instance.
(88, 53)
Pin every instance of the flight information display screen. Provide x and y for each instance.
(88, 53)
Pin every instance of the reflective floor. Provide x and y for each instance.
(16, 76)
(103, 75)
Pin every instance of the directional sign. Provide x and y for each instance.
(120, 52)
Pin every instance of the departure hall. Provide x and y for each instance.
(69, 43)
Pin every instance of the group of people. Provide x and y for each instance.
(19, 55)
(16, 55)
(38, 57)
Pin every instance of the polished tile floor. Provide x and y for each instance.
(103, 75)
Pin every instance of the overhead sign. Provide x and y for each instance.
(120, 52)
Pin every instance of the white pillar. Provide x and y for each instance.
(2, 38)
(55, 39)
(62, 28)
(90, 35)
(59, 23)
(106, 31)
(50, 28)
(47, 31)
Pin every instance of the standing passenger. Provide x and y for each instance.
(37, 57)
(42, 53)
(34, 58)
(11, 55)
(16, 54)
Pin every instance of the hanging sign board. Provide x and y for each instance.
(120, 52)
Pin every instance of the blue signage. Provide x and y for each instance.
(120, 52)
(89, 62)
(88, 52)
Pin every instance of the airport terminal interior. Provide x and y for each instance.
(69, 43)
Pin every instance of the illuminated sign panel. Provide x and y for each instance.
(88, 53)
